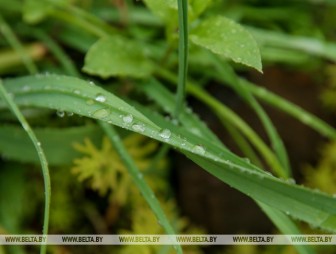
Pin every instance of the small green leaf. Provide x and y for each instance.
(229, 39)
(117, 56)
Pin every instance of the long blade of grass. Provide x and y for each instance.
(78, 96)
(285, 225)
(281, 220)
(291, 109)
(299, 43)
(44, 164)
(226, 114)
(139, 181)
(9, 35)
(183, 54)
(226, 74)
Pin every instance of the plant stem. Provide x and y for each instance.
(45, 170)
(183, 54)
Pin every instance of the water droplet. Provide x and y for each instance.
(175, 122)
(70, 113)
(138, 127)
(165, 133)
(101, 98)
(39, 143)
(26, 88)
(127, 119)
(199, 149)
(101, 113)
(290, 181)
(76, 91)
(239, 59)
(91, 83)
(60, 113)
(247, 160)
(89, 102)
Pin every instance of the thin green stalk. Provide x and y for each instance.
(183, 54)
(138, 179)
(44, 164)
(17, 46)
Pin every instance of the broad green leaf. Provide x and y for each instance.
(117, 56)
(57, 143)
(229, 39)
(78, 96)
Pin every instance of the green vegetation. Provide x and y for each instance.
(96, 93)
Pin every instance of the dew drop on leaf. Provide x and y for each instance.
(101, 113)
(26, 88)
(89, 102)
(101, 98)
(138, 127)
(199, 149)
(60, 113)
(76, 91)
(165, 133)
(127, 119)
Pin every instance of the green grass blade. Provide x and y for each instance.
(9, 35)
(291, 109)
(183, 54)
(307, 45)
(54, 48)
(226, 114)
(45, 171)
(163, 97)
(286, 226)
(226, 74)
(139, 181)
(78, 96)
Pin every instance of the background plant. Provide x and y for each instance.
(126, 51)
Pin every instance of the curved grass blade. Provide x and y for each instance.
(226, 114)
(7, 32)
(291, 109)
(45, 171)
(75, 95)
(226, 74)
(139, 181)
(286, 226)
